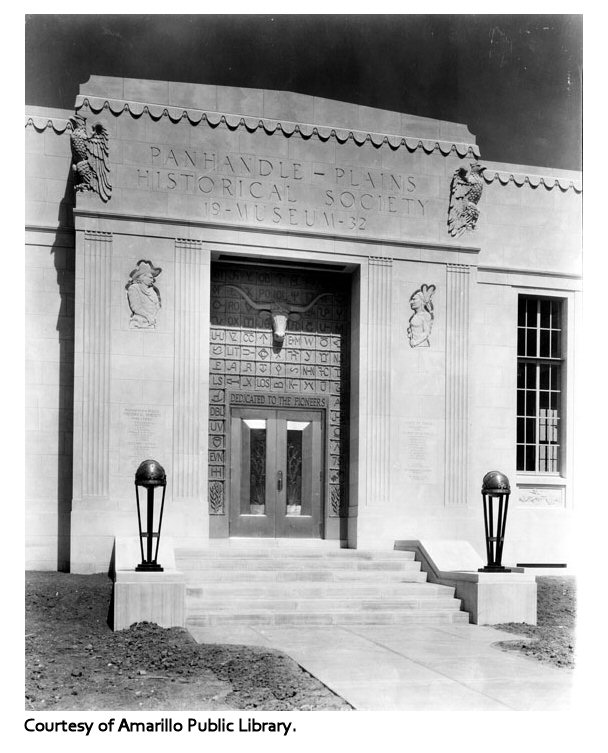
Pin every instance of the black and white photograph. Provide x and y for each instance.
(303, 309)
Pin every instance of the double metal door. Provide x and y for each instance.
(276, 472)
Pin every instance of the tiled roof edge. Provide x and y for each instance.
(252, 124)
(41, 123)
(305, 130)
(521, 179)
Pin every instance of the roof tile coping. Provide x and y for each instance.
(549, 177)
(253, 123)
(44, 117)
(275, 105)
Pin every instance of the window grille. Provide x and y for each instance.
(540, 366)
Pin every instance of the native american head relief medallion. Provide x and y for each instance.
(421, 321)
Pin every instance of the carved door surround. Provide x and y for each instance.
(306, 369)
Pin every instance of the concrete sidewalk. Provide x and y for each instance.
(417, 668)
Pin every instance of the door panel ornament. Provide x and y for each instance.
(334, 494)
(294, 471)
(216, 498)
(257, 471)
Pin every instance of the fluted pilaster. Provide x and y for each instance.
(456, 384)
(96, 364)
(379, 379)
(188, 421)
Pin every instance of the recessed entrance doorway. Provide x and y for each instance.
(276, 473)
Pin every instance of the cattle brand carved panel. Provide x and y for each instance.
(305, 367)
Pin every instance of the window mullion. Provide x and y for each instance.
(537, 418)
(537, 380)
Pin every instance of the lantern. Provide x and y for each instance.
(150, 475)
(495, 491)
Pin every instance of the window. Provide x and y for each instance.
(540, 366)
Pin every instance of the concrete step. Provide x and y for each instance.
(293, 563)
(270, 617)
(319, 545)
(213, 575)
(352, 604)
(304, 590)
(269, 552)
(263, 582)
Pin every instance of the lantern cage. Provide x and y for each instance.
(150, 475)
(495, 492)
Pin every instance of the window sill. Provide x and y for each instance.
(540, 479)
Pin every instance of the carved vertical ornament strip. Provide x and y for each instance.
(379, 379)
(96, 364)
(457, 384)
(189, 286)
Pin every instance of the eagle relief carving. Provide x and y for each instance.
(465, 192)
(90, 158)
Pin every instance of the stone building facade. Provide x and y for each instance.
(324, 320)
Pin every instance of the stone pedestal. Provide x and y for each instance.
(146, 597)
(489, 598)
(493, 598)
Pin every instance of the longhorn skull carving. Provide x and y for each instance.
(279, 310)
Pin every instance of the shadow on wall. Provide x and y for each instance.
(63, 251)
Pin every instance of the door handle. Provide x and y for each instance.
(279, 480)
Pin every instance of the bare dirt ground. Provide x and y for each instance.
(75, 662)
(552, 639)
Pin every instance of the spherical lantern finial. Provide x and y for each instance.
(495, 482)
(150, 473)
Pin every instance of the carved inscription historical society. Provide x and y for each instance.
(249, 189)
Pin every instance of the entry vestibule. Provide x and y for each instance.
(299, 368)
(276, 470)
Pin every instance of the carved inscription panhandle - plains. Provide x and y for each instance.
(248, 189)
